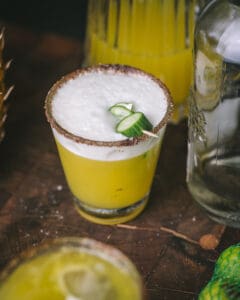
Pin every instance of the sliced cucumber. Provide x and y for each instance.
(127, 105)
(133, 125)
(120, 111)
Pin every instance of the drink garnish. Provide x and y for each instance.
(131, 124)
(121, 110)
(127, 105)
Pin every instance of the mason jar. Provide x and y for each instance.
(213, 166)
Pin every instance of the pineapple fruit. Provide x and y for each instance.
(225, 282)
(4, 93)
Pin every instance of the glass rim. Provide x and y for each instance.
(120, 69)
(89, 245)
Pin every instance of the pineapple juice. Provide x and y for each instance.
(110, 175)
(116, 183)
(156, 36)
(72, 269)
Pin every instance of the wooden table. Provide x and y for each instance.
(35, 202)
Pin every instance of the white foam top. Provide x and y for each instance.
(81, 105)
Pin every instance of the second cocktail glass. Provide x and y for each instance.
(71, 268)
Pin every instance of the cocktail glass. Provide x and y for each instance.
(71, 269)
(109, 178)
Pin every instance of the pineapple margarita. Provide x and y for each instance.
(71, 269)
(108, 122)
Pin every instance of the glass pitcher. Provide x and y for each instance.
(154, 35)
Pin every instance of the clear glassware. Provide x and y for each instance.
(213, 169)
(71, 268)
(156, 36)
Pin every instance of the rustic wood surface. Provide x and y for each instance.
(35, 203)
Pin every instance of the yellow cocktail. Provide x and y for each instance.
(117, 184)
(109, 174)
(71, 269)
(153, 35)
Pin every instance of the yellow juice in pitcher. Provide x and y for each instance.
(153, 35)
(110, 174)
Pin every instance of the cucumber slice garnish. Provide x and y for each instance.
(127, 105)
(133, 125)
(120, 111)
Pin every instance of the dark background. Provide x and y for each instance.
(61, 17)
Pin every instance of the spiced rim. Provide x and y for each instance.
(124, 69)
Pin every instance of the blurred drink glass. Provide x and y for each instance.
(153, 35)
(71, 268)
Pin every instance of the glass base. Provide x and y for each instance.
(215, 211)
(110, 216)
(222, 217)
(219, 200)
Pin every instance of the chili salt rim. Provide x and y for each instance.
(124, 69)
